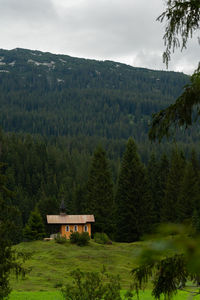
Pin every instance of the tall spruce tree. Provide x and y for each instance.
(100, 193)
(80, 199)
(133, 213)
(155, 188)
(163, 173)
(170, 209)
(9, 259)
(195, 163)
(189, 197)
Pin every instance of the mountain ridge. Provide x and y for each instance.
(41, 53)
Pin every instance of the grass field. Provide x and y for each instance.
(36, 296)
(58, 296)
(51, 264)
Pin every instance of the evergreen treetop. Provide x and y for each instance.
(34, 229)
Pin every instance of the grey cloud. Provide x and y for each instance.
(27, 11)
(111, 27)
(121, 30)
(152, 59)
(26, 23)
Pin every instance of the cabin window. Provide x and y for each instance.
(85, 228)
(67, 228)
(75, 228)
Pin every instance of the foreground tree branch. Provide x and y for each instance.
(169, 261)
(180, 113)
(182, 19)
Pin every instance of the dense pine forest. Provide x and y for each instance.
(77, 130)
(57, 95)
(127, 196)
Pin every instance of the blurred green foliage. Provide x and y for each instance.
(170, 259)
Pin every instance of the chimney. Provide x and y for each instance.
(62, 208)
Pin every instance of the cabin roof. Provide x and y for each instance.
(70, 219)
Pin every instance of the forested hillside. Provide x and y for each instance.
(39, 173)
(66, 122)
(48, 94)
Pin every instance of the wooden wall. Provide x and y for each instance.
(71, 229)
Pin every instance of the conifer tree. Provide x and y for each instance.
(170, 210)
(195, 163)
(100, 193)
(80, 199)
(9, 258)
(34, 229)
(134, 211)
(154, 180)
(163, 172)
(189, 197)
(196, 221)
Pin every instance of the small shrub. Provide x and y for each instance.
(74, 237)
(60, 239)
(102, 238)
(83, 239)
(80, 239)
(92, 285)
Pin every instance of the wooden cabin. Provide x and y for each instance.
(71, 223)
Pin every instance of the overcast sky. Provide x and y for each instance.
(120, 30)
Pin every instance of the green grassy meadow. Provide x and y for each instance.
(58, 296)
(36, 296)
(51, 264)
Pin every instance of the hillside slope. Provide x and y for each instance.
(51, 263)
(48, 94)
